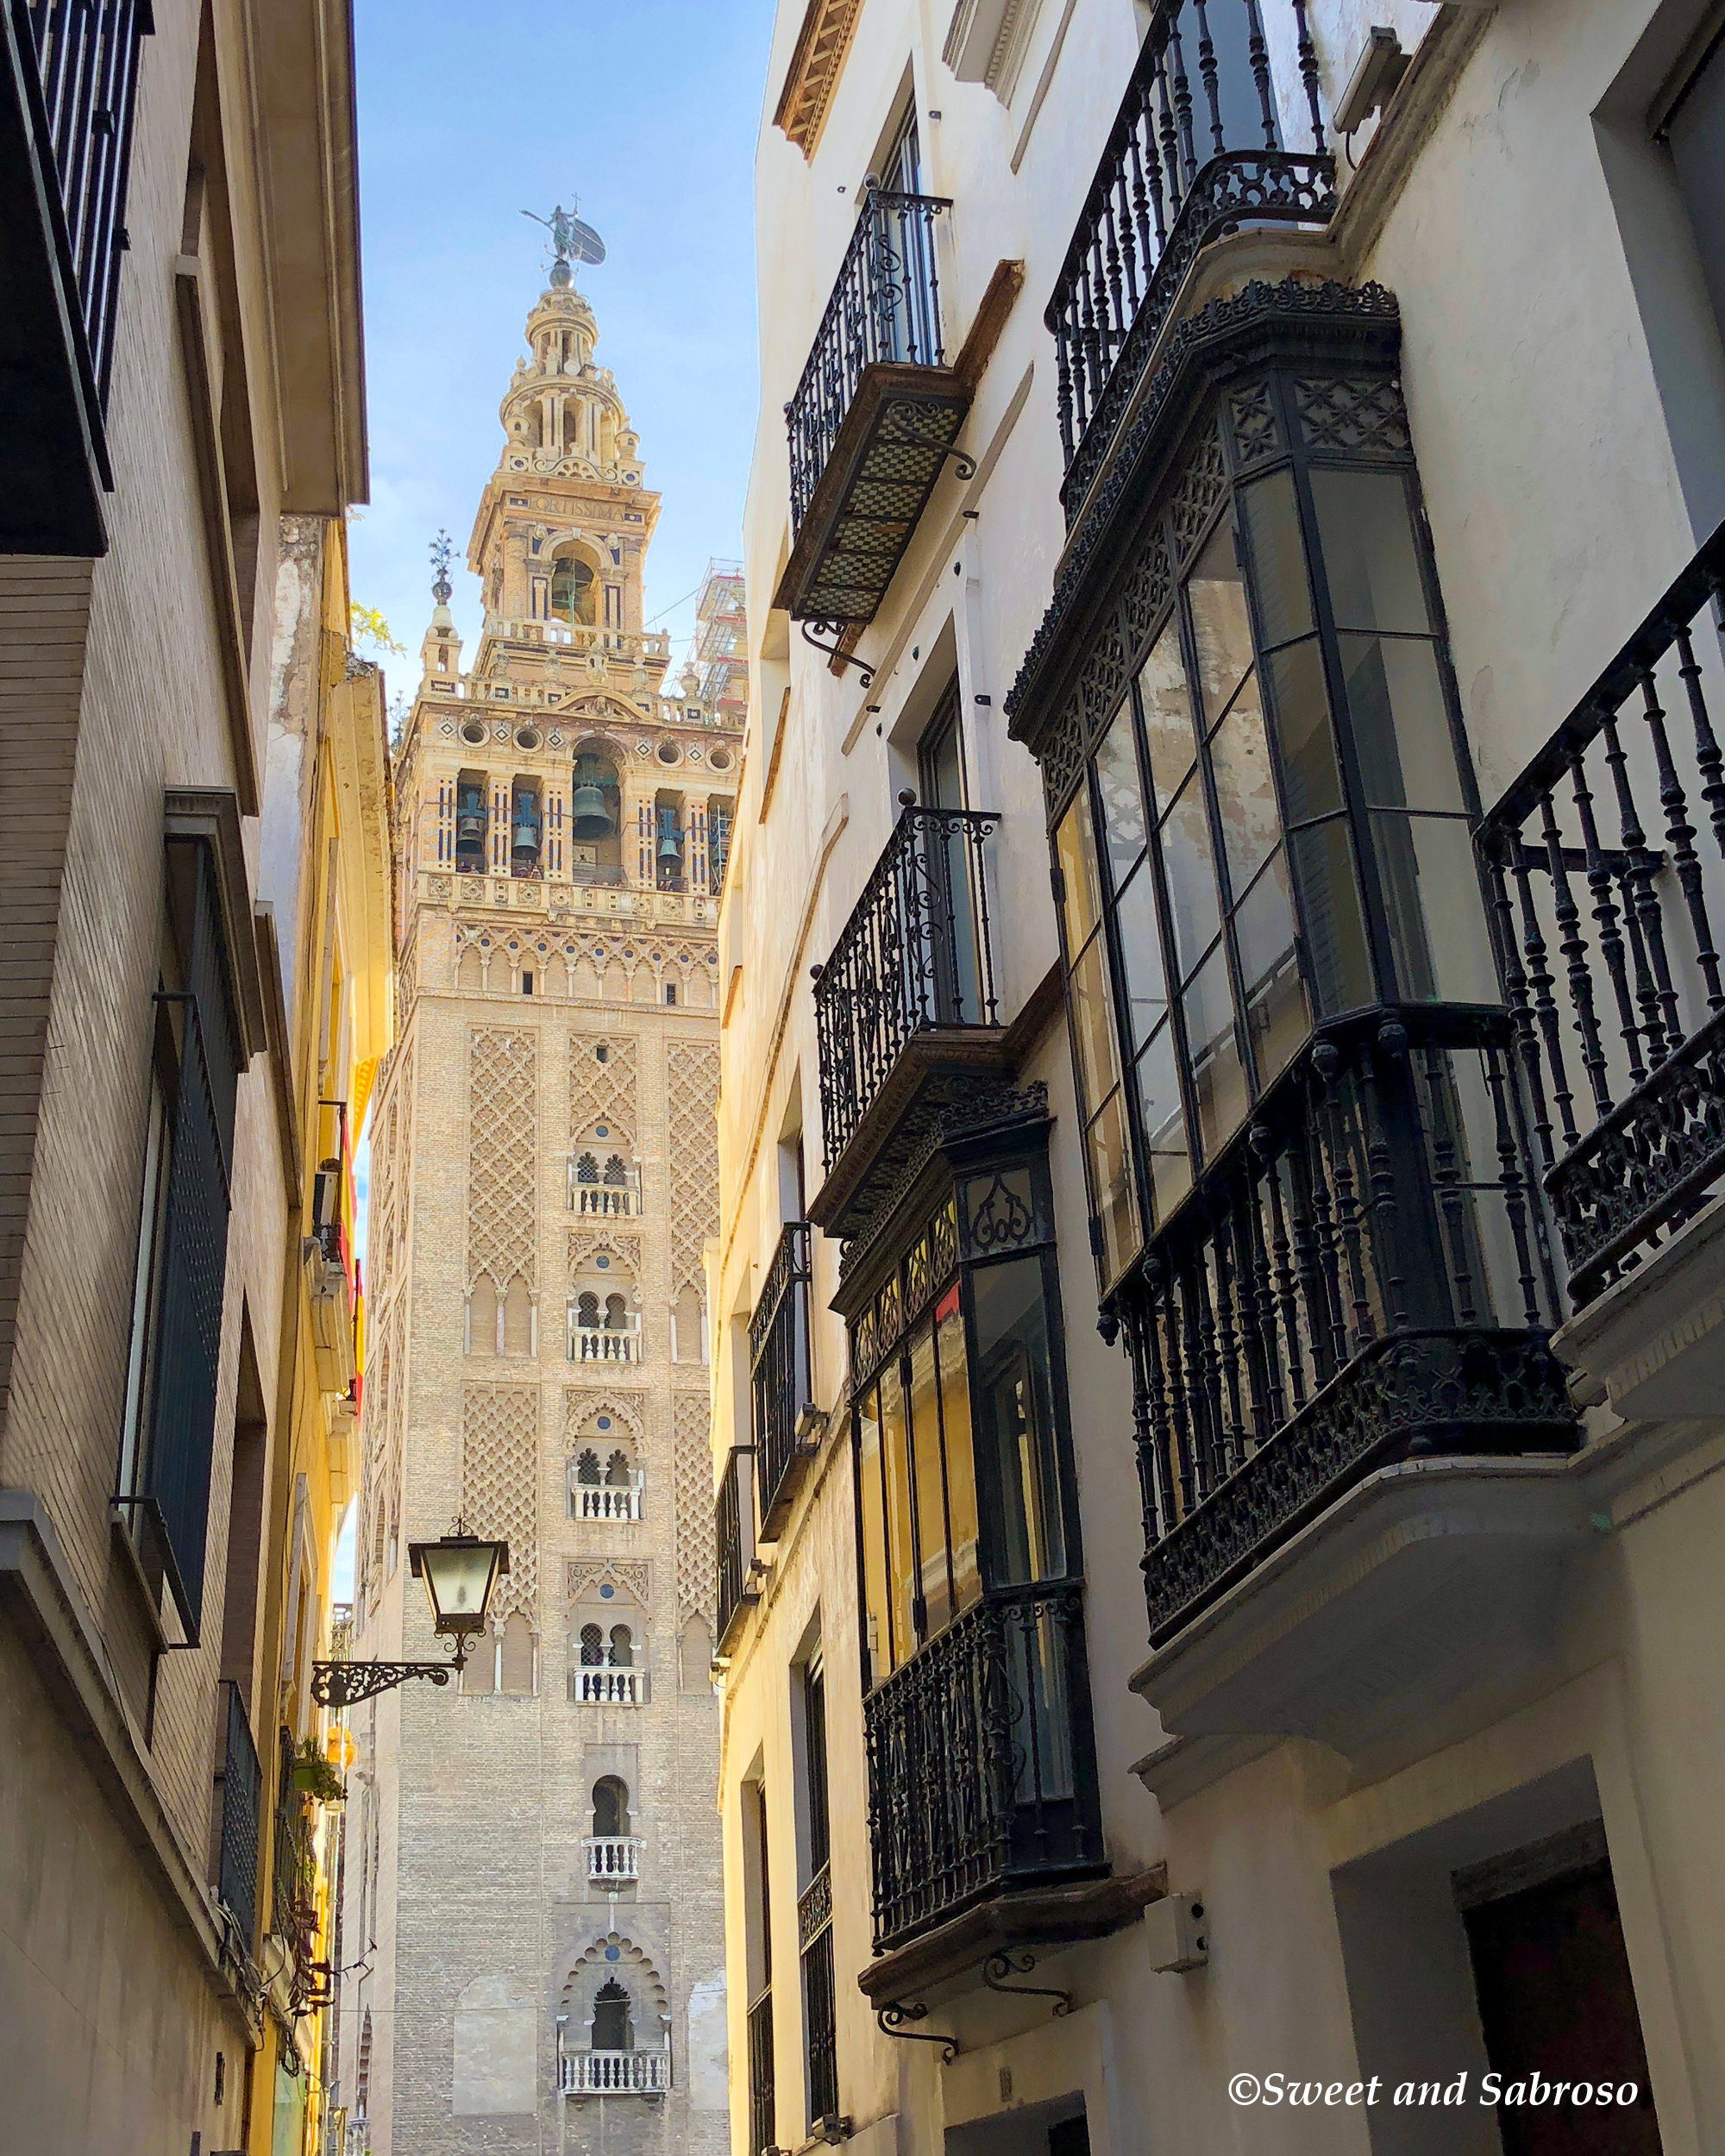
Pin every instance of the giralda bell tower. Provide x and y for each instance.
(532, 1925)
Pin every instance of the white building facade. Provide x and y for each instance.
(1220, 1099)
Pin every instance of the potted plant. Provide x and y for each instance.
(313, 1775)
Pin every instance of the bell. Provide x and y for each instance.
(668, 848)
(589, 818)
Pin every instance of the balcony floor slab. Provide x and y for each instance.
(1028, 1918)
(1382, 1613)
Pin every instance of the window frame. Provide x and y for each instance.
(977, 1248)
(1239, 472)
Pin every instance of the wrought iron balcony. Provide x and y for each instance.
(981, 1761)
(1361, 1278)
(1197, 149)
(614, 2073)
(733, 1538)
(874, 416)
(240, 1787)
(778, 1360)
(1610, 901)
(68, 84)
(905, 1010)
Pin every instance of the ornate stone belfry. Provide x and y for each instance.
(544, 1187)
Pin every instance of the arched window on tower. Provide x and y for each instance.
(612, 2029)
(572, 592)
(611, 1806)
(586, 1469)
(592, 1647)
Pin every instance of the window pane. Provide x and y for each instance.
(1191, 877)
(1216, 590)
(1015, 1419)
(1093, 1022)
(1075, 848)
(1301, 712)
(1116, 1201)
(1167, 714)
(955, 1427)
(1164, 1124)
(880, 1639)
(1276, 1015)
(1218, 1076)
(1122, 798)
(1278, 564)
(1437, 918)
(934, 1578)
(1401, 729)
(1367, 528)
(1245, 792)
(1141, 957)
(901, 1555)
(1336, 950)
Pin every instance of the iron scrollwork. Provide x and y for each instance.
(998, 1967)
(339, 1684)
(836, 651)
(892, 2017)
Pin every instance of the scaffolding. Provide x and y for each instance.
(719, 653)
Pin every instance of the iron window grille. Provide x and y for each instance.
(81, 80)
(732, 1538)
(168, 1442)
(761, 2112)
(241, 1791)
(976, 1695)
(780, 1379)
(814, 1910)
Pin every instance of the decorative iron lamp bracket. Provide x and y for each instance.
(339, 1684)
(998, 1966)
(892, 2017)
(836, 651)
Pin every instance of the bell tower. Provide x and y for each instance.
(545, 1153)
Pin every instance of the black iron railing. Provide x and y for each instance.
(914, 956)
(293, 1876)
(820, 2012)
(981, 1766)
(85, 54)
(240, 1787)
(885, 306)
(778, 1360)
(1195, 150)
(761, 2105)
(1361, 1276)
(1607, 863)
(731, 1520)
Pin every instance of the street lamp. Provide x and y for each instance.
(460, 1571)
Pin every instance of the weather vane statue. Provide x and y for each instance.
(441, 551)
(572, 242)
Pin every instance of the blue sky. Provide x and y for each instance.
(473, 111)
(470, 112)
